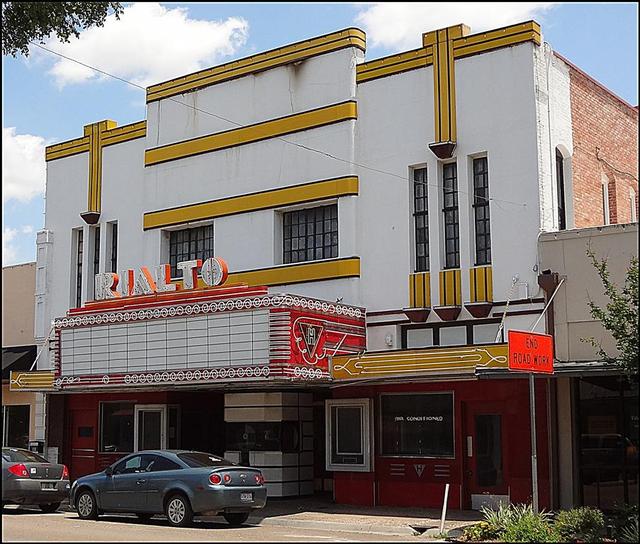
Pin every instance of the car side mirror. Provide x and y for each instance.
(108, 471)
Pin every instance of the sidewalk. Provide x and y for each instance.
(320, 512)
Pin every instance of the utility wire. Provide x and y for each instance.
(301, 146)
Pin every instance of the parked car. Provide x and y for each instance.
(178, 483)
(28, 478)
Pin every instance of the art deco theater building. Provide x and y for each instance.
(309, 263)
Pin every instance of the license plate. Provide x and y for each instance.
(47, 486)
(246, 497)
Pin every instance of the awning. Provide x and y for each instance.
(564, 369)
(17, 358)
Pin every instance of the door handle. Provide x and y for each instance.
(140, 481)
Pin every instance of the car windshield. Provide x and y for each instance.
(196, 459)
(21, 456)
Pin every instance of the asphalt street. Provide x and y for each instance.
(23, 525)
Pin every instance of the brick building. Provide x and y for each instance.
(605, 153)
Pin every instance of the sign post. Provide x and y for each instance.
(531, 352)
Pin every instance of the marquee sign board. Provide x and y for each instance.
(530, 352)
(226, 334)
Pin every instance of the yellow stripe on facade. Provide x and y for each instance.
(412, 291)
(394, 64)
(295, 273)
(496, 39)
(124, 133)
(457, 277)
(350, 37)
(480, 280)
(297, 194)
(490, 283)
(450, 287)
(253, 133)
(65, 149)
(426, 362)
(420, 290)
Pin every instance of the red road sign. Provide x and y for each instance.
(530, 352)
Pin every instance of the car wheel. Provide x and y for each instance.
(237, 518)
(86, 505)
(178, 511)
(143, 516)
(49, 508)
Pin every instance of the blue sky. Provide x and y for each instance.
(47, 101)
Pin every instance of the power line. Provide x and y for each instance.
(301, 146)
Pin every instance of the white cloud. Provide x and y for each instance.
(149, 44)
(23, 165)
(27, 229)
(9, 251)
(399, 26)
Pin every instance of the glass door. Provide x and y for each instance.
(150, 426)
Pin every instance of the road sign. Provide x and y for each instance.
(530, 352)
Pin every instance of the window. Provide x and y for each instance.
(419, 338)
(116, 427)
(417, 425)
(131, 465)
(158, 463)
(450, 210)
(481, 211)
(605, 202)
(453, 336)
(348, 437)
(79, 253)
(96, 250)
(20, 456)
(310, 234)
(15, 426)
(421, 218)
(486, 333)
(562, 218)
(632, 202)
(114, 248)
(190, 244)
(197, 460)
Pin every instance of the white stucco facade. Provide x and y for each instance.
(510, 108)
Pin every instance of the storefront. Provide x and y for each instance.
(231, 370)
(403, 424)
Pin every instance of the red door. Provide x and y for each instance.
(485, 469)
(83, 440)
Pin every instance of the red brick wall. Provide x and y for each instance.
(605, 141)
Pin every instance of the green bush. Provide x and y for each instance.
(530, 527)
(625, 519)
(629, 533)
(580, 524)
(479, 532)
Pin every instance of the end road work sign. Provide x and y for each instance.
(530, 352)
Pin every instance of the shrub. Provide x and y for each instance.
(580, 524)
(479, 532)
(528, 526)
(629, 533)
(625, 516)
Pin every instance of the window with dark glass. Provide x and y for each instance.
(263, 436)
(189, 244)
(417, 425)
(96, 250)
(421, 218)
(79, 252)
(15, 426)
(310, 234)
(481, 211)
(562, 218)
(157, 463)
(114, 248)
(488, 450)
(451, 220)
(348, 442)
(116, 427)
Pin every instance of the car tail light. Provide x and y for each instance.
(226, 478)
(215, 479)
(19, 470)
(65, 473)
(259, 479)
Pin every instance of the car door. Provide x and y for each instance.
(161, 472)
(125, 490)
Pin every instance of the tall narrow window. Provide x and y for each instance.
(421, 218)
(310, 234)
(481, 211)
(562, 217)
(114, 247)
(190, 244)
(605, 203)
(632, 202)
(450, 210)
(96, 250)
(79, 253)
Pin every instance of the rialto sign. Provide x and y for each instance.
(142, 281)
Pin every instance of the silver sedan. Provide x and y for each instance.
(178, 483)
(28, 478)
